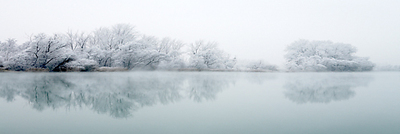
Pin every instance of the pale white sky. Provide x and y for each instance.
(256, 29)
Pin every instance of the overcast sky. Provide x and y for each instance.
(248, 29)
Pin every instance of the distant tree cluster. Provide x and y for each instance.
(388, 68)
(261, 65)
(255, 65)
(304, 55)
(119, 46)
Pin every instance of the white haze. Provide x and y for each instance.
(248, 30)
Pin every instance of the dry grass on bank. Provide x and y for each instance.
(110, 69)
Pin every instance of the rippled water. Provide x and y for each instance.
(199, 102)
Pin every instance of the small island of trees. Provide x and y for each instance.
(120, 47)
(304, 55)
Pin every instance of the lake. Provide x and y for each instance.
(199, 103)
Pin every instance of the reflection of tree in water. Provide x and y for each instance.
(323, 88)
(206, 86)
(116, 94)
(259, 78)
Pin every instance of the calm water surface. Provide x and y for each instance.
(199, 103)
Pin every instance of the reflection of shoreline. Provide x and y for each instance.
(323, 88)
(116, 94)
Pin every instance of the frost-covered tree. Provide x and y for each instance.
(8, 49)
(152, 52)
(136, 54)
(171, 53)
(207, 56)
(108, 42)
(148, 52)
(79, 43)
(304, 55)
(42, 51)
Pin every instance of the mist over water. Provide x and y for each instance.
(209, 67)
(115, 94)
(144, 102)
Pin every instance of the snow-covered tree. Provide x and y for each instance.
(171, 49)
(148, 52)
(8, 49)
(107, 43)
(303, 55)
(207, 56)
(137, 54)
(77, 41)
(44, 51)
(153, 52)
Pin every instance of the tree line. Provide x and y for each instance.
(121, 46)
(116, 46)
